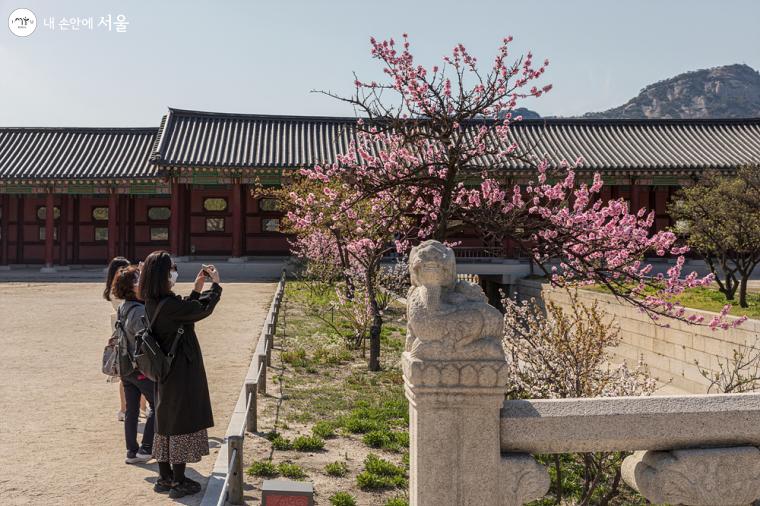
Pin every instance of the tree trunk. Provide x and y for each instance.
(558, 467)
(743, 290)
(377, 324)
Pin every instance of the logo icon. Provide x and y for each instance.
(22, 22)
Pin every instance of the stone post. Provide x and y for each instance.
(455, 375)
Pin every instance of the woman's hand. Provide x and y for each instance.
(200, 280)
(212, 273)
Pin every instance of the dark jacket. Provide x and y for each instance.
(183, 405)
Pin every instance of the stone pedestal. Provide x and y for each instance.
(454, 430)
(455, 376)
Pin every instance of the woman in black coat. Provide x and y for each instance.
(183, 406)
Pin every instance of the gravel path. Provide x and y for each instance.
(61, 443)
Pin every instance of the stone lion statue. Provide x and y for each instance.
(447, 318)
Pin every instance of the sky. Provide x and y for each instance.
(266, 57)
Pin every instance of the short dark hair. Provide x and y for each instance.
(123, 286)
(113, 267)
(154, 276)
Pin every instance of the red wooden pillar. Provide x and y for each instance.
(63, 231)
(113, 229)
(635, 201)
(174, 227)
(237, 220)
(49, 230)
(6, 216)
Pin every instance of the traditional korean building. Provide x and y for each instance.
(83, 195)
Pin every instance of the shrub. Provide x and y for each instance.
(378, 439)
(358, 425)
(379, 474)
(292, 471)
(382, 467)
(281, 443)
(323, 429)
(263, 468)
(387, 440)
(342, 499)
(308, 444)
(397, 501)
(338, 469)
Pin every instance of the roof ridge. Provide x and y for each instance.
(81, 129)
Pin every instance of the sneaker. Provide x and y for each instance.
(163, 486)
(138, 457)
(120, 416)
(187, 487)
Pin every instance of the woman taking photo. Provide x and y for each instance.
(183, 406)
(131, 315)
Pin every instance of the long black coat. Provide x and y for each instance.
(183, 405)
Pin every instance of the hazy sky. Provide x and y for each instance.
(264, 57)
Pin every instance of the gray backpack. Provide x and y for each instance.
(116, 354)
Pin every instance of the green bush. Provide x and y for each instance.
(357, 425)
(379, 473)
(382, 467)
(263, 468)
(281, 443)
(308, 444)
(342, 499)
(397, 501)
(323, 429)
(378, 439)
(292, 471)
(338, 469)
(387, 440)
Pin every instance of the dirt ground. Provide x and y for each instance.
(60, 440)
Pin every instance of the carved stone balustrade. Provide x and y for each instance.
(468, 446)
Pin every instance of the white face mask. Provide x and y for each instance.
(173, 277)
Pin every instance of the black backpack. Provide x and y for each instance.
(125, 346)
(149, 357)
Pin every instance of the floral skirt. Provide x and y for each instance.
(182, 448)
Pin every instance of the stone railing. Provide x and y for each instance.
(469, 446)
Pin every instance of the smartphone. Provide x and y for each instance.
(206, 271)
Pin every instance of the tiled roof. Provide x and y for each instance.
(222, 140)
(76, 153)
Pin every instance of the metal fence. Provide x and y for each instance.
(244, 418)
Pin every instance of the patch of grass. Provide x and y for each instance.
(282, 444)
(379, 474)
(397, 501)
(292, 471)
(308, 444)
(323, 355)
(342, 499)
(323, 429)
(337, 469)
(356, 425)
(296, 357)
(706, 299)
(378, 439)
(387, 440)
(264, 469)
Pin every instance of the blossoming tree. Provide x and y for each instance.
(431, 146)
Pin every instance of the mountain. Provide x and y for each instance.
(731, 91)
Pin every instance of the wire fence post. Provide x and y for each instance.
(235, 469)
(262, 383)
(270, 340)
(252, 414)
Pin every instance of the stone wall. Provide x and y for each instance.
(670, 352)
